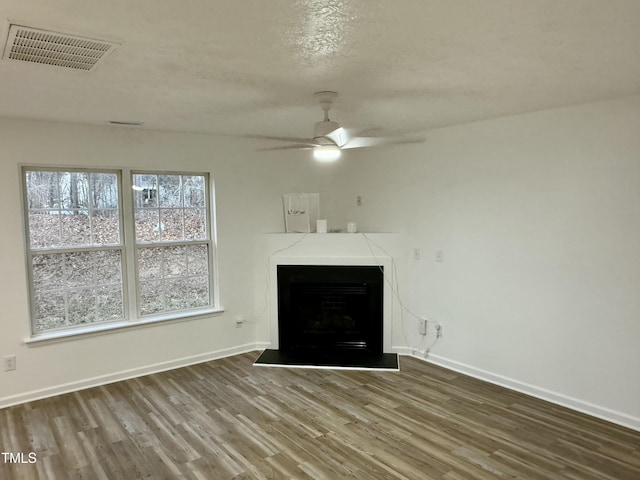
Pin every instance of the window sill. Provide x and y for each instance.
(99, 329)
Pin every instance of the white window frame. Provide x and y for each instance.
(128, 248)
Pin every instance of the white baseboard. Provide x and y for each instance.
(405, 351)
(532, 390)
(123, 375)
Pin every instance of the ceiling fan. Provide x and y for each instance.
(329, 138)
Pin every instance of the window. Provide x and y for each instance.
(172, 245)
(100, 254)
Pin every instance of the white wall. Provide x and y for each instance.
(248, 193)
(538, 217)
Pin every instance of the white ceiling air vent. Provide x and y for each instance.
(52, 48)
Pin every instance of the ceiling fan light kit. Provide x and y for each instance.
(326, 153)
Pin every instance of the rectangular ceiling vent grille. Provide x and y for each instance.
(51, 48)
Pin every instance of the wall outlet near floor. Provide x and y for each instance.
(359, 200)
(422, 327)
(438, 330)
(239, 320)
(416, 253)
(9, 363)
(439, 256)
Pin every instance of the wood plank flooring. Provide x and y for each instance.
(226, 419)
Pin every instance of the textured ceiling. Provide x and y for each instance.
(251, 66)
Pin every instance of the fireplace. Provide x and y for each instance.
(330, 308)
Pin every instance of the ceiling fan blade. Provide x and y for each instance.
(298, 146)
(306, 141)
(364, 142)
(408, 140)
(340, 136)
(369, 132)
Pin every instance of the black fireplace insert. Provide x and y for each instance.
(330, 308)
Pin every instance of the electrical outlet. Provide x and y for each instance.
(439, 256)
(438, 330)
(416, 254)
(9, 363)
(239, 321)
(359, 200)
(422, 327)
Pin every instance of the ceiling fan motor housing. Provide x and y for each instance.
(322, 129)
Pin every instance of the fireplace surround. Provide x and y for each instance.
(336, 249)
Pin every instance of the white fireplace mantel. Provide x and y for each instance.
(385, 249)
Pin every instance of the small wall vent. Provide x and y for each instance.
(51, 48)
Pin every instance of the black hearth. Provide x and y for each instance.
(330, 309)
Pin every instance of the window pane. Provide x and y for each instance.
(109, 303)
(145, 189)
(104, 190)
(62, 209)
(180, 294)
(198, 291)
(147, 225)
(44, 229)
(48, 271)
(177, 294)
(82, 306)
(76, 227)
(175, 261)
(108, 267)
(79, 269)
(149, 263)
(151, 297)
(105, 227)
(75, 288)
(185, 293)
(74, 190)
(195, 224)
(197, 260)
(179, 214)
(173, 278)
(170, 190)
(194, 191)
(171, 224)
(42, 190)
(49, 310)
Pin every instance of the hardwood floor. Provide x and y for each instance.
(229, 420)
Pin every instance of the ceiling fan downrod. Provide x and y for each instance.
(326, 98)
